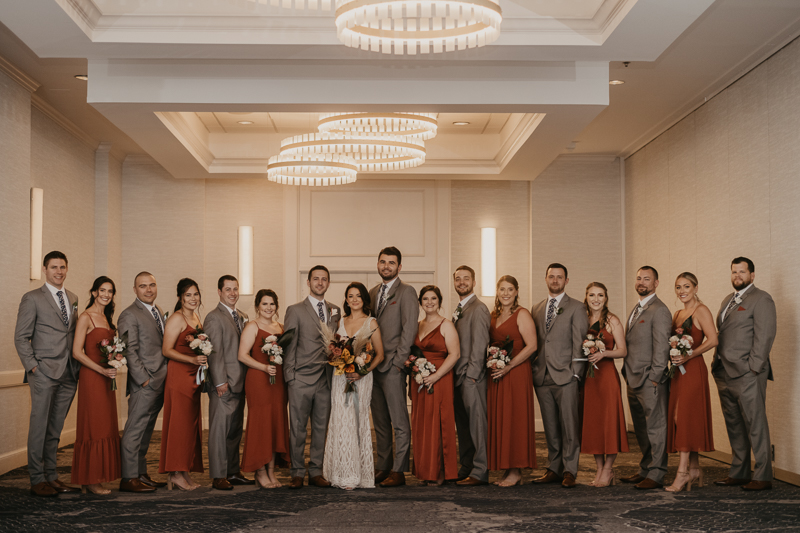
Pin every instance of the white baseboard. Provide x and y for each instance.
(19, 457)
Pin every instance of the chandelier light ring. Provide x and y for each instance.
(315, 171)
(418, 125)
(371, 153)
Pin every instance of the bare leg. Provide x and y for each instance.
(682, 477)
(606, 477)
(513, 475)
(694, 468)
(274, 483)
(600, 460)
(95, 488)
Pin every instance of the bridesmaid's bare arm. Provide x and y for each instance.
(528, 331)
(82, 329)
(246, 342)
(172, 329)
(614, 327)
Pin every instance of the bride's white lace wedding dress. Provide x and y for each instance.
(348, 450)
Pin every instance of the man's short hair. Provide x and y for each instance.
(391, 250)
(319, 267)
(751, 267)
(55, 254)
(648, 267)
(557, 265)
(464, 267)
(223, 279)
(140, 274)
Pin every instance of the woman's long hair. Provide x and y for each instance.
(693, 280)
(109, 309)
(262, 293)
(365, 299)
(498, 307)
(184, 285)
(604, 311)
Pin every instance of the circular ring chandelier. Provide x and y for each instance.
(409, 26)
(315, 171)
(371, 153)
(417, 125)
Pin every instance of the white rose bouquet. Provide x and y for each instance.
(592, 345)
(273, 347)
(418, 367)
(497, 355)
(115, 350)
(200, 345)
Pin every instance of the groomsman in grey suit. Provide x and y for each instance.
(308, 377)
(224, 325)
(143, 323)
(747, 323)
(397, 312)
(472, 322)
(561, 326)
(43, 337)
(649, 328)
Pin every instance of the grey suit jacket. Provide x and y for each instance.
(304, 358)
(145, 359)
(648, 344)
(223, 364)
(558, 347)
(473, 337)
(747, 333)
(398, 321)
(40, 336)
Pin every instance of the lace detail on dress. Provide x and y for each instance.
(348, 448)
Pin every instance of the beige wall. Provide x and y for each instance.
(722, 183)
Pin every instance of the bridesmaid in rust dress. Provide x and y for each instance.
(267, 432)
(181, 445)
(433, 422)
(604, 432)
(689, 427)
(96, 457)
(512, 438)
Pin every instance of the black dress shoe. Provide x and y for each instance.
(145, 478)
(239, 479)
(62, 488)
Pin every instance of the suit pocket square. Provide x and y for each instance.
(392, 303)
(641, 322)
(741, 308)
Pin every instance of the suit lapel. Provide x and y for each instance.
(561, 305)
(49, 297)
(389, 295)
(311, 310)
(224, 310)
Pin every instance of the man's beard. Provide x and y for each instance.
(739, 285)
(465, 291)
(384, 277)
(643, 291)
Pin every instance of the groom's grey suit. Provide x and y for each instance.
(146, 364)
(44, 342)
(308, 378)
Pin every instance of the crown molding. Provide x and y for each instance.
(10, 70)
(53, 114)
(140, 159)
(518, 137)
(588, 158)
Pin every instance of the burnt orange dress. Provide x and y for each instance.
(433, 419)
(267, 419)
(689, 426)
(96, 457)
(604, 430)
(181, 444)
(509, 404)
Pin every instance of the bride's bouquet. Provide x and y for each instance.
(200, 345)
(419, 367)
(273, 347)
(680, 344)
(497, 355)
(114, 351)
(339, 353)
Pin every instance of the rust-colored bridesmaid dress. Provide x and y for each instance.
(433, 420)
(96, 458)
(181, 444)
(604, 429)
(512, 435)
(689, 417)
(267, 418)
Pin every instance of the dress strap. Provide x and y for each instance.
(92, 321)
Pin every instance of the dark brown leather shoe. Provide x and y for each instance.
(239, 479)
(647, 484)
(569, 481)
(296, 483)
(758, 485)
(636, 478)
(134, 485)
(548, 477)
(380, 475)
(61, 488)
(731, 482)
(394, 479)
(43, 489)
(471, 482)
(145, 479)
(220, 483)
(319, 481)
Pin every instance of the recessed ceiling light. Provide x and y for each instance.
(616, 82)
(245, 122)
(83, 77)
(460, 123)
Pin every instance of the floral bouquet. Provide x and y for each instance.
(592, 345)
(200, 345)
(497, 355)
(419, 367)
(114, 351)
(680, 344)
(339, 354)
(273, 346)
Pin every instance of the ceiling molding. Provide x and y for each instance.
(140, 159)
(177, 125)
(84, 13)
(8, 68)
(53, 114)
(588, 158)
(518, 137)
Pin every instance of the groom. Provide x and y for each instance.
(308, 377)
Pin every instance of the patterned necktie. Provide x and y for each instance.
(64, 315)
(158, 320)
(236, 321)
(635, 314)
(551, 313)
(382, 299)
(730, 307)
(321, 311)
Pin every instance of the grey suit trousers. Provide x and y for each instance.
(559, 405)
(743, 402)
(648, 405)
(308, 401)
(50, 402)
(143, 408)
(472, 428)
(390, 410)
(225, 425)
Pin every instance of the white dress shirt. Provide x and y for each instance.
(314, 304)
(642, 303)
(54, 292)
(741, 292)
(463, 302)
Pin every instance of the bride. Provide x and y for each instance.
(348, 449)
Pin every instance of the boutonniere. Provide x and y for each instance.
(166, 316)
(560, 310)
(738, 299)
(75, 307)
(334, 312)
(389, 298)
(457, 314)
(245, 320)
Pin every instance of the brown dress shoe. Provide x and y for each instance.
(758, 485)
(319, 481)
(636, 478)
(145, 478)
(61, 488)
(548, 477)
(134, 485)
(239, 479)
(380, 475)
(731, 482)
(647, 484)
(220, 483)
(394, 479)
(43, 489)
(470, 481)
(296, 483)
(569, 481)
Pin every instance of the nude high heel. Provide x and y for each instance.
(687, 485)
(84, 490)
